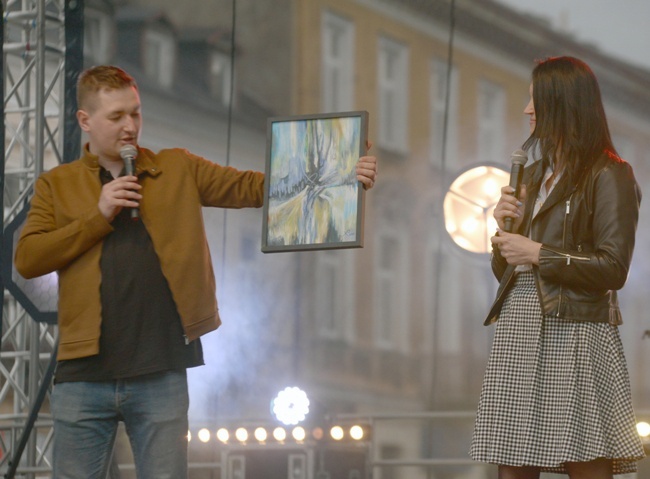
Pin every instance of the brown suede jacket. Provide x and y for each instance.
(64, 232)
(587, 235)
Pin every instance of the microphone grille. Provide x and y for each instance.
(128, 151)
(519, 157)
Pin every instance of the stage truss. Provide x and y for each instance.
(42, 55)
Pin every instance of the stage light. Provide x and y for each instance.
(318, 433)
(469, 204)
(356, 432)
(290, 406)
(279, 434)
(203, 435)
(337, 433)
(299, 433)
(260, 434)
(470, 226)
(241, 434)
(491, 188)
(223, 435)
(643, 428)
(189, 436)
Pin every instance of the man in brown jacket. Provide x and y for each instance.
(134, 296)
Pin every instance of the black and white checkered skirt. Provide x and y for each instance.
(554, 391)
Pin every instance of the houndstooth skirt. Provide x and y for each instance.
(554, 391)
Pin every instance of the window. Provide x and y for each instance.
(491, 122)
(220, 77)
(438, 106)
(391, 308)
(393, 98)
(338, 63)
(159, 56)
(335, 294)
(97, 36)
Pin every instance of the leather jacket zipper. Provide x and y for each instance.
(568, 260)
(568, 257)
(559, 254)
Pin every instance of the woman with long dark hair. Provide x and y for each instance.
(556, 394)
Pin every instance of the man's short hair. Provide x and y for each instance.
(96, 79)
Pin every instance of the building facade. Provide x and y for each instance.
(394, 327)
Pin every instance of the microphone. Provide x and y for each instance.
(519, 159)
(128, 154)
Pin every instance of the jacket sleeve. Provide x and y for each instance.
(44, 246)
(225, 186)
(605, 263)
(498, 262)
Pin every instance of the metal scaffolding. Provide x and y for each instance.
(42, 55)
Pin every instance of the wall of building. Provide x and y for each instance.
(274, 331)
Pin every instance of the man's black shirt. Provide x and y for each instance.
(141, 330)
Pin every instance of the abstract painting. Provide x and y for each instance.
(312, 197)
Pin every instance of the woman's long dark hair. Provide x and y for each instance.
(571, 126)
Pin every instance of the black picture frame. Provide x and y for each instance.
(312, 198)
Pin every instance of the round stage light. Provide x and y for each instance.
(356, 432)
(469, 204)
(241, 434)
(279, 434)
(290, 406)
(260, 434)
(203, 435)
(223, 435)
(337, 433)
(318, 433)
(299, 433)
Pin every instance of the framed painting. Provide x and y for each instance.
(312, 198)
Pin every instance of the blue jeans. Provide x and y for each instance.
(153, 409)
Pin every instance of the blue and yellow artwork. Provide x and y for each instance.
(313, 190)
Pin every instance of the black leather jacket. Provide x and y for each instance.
(587, 235)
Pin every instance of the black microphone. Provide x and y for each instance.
(519, 159)
(128, 154)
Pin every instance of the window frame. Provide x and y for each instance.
(491, 128)
(392, 87)
(337, 67)
(437, 106)
(160, 68)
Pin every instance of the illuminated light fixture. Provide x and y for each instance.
(356, 432)
(337, 433)
(203, 435)
(279, 434)
(469, 205)
(189, 436)
(290, 406)
(299, 433)
(223, 435)
(260, 434)
(241, 434)
(643, 428)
